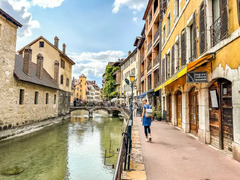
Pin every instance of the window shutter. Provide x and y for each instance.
(224, 18)
(163, 70)
(194, 36)
(202, 28)
(161, 11)
(164, 5)
(173, 56)
(238, 9)
(183, 47)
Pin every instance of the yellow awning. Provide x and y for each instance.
(173, 78)
(193, 65)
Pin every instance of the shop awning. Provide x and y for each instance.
(173, 78)
(145, 93)
(195, 64)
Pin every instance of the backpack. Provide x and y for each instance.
(148, 111)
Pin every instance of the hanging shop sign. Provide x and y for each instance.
(196, 77)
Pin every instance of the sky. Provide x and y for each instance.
(95, 31)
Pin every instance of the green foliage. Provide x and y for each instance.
(114, 94)
(153, 111)
(109, 87)
(159, 110)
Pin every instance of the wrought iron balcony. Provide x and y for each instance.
(142, 58)
(149, 67)
(156, 60)
(156, 35)
(218, 31)
(150, 45)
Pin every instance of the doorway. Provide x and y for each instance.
(193, 111)
(179, 108)
(170, 108)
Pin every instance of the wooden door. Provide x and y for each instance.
(193, 111)
(227, 117)
(170, 107)
(179, 109)
(221, 119)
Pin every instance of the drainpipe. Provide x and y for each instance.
(160, 49)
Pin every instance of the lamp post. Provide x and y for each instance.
(130, 124)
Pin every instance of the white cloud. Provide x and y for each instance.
(135, 5)
(47, 3)
(135, 19)
(19, 10)
(93, 64)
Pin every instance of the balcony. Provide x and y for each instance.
(142, 74)
(142, 58)
(149, 67)
(218, 31)
(156, 35)
(150, 45)
(156, 60)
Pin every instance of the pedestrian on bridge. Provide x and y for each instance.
(147, 119)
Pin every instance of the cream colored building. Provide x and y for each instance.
(56, 62)
(129, 66)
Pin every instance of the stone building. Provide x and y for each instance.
(29, 92)
(199, 67)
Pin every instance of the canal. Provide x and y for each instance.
(72, 150)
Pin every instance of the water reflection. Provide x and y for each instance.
(73, 150)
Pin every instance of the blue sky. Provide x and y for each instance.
(95, 31)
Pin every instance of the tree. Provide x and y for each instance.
(109, 87)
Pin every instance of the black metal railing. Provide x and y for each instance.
(150, 45)
(156, 35)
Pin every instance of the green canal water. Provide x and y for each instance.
(74, 150)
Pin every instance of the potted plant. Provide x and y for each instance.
(159, 112)
(153, 113)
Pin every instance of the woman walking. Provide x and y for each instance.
(147, 120)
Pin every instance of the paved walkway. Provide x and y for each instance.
(176, 155)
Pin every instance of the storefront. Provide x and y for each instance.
(221, 114)
(193, 111)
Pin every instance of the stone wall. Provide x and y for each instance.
(63, 102)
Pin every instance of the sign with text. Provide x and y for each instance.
(196, 77)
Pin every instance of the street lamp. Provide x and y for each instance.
(130, 123)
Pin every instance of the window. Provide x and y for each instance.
(163, 70)
(61, 79)
(155, 5)
(67, 82)
(80, 90)
(41, 44)
(36, 98)
(173, 60)
(164, 34)
(176, 47)
(47, 96)
(21, 96)
(169, 24)
(177, 9)
(62, 64)
(149, 82)
(183, 47)
(168, 65)
(55, 99)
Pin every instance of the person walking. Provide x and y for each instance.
(147, 119)
(135, 106)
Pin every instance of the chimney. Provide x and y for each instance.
(129, 52)
(64, 48)
(39, 69)
(56, 40)
(56, 71)
(27, 59)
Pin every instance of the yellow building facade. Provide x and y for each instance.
(199, 66)
(80, 88)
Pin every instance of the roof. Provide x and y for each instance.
(10, 18)
(147, 9)
(117, 63)
(46, 79)
(60, 52)
(82, 76)
(125, 60)
(136, 42)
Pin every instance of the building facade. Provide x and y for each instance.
(29, 92)
(93, 92)
(199, 67)
(80, 88)
(129, 66)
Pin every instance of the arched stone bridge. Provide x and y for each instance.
(111, 110)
